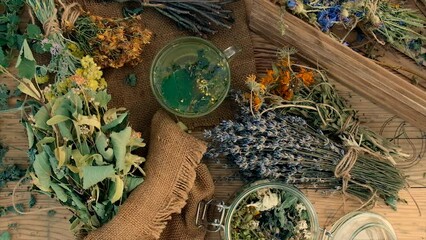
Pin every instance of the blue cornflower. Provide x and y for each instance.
(291, 4)
(326, 18)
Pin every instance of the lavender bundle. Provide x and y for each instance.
(278, 146)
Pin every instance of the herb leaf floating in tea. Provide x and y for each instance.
(280, 146)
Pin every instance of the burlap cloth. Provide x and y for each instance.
(175, 180)
(139, 100)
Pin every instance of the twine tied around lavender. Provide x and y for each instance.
(345, 165)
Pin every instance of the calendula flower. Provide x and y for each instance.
(306, 76)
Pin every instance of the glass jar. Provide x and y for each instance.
(216, 216)
(222, 221)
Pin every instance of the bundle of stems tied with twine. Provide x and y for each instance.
(293, 126)
(201, 17)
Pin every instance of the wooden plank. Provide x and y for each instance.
(37, 225)
(354, 71)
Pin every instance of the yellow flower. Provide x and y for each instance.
(93, 85)
(42, 79)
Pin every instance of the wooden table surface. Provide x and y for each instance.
(409, 221)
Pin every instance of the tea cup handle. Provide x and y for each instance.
(231, 51)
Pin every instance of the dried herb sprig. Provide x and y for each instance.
(280, 146)
(198, 16)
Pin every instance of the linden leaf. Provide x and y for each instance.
(116, 191)
(42, 170)
(102, 98)
(102, 146)
(26, 63)
(94, 174)
(60, 193)
(57, 119)
(116, 122)
(41, 118)
(30, 135)
(133, 182)
(119, 142)
(89, 120)
(62, 155)
(27, 87)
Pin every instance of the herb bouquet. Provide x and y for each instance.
(322, 145)
(112, 42)
(81, 151)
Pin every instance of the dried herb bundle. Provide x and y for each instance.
(197, 16)
(62, 63)
(112, 42)
(310, 95)
(275, 145)
(376, 20)
(81, 152)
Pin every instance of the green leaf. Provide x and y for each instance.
(288, 202)
(27, 87)
(102, 98)
(131, 80)
(77, 202)
(5, 236)
(32, 201)
(4, 60)
(94, 174)
(60, 193)
(100, 210)
(30, 135)
(57, 119)
(41, 118)
(116, 190)
(26, 63)
(102, 146)
(62, 154)
(33, 31)
(133, 182)
(42, 170)
(44, 141)
(115, 122)
(119, 142)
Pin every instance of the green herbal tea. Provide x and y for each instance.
(191, 78)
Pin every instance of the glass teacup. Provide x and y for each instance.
(190, 77)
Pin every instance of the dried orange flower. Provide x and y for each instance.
(306, 76)
(112, 42)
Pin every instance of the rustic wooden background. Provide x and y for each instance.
(409, 221)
